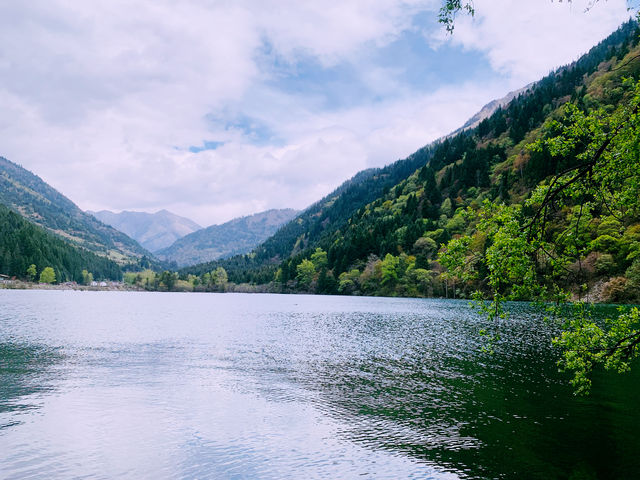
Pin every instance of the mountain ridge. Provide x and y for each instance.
(154, 231)
(471, 158)
(31, 197)
(236, 236)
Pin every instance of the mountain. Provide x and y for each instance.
(22, 244)
(380, 232)
(154, 231)
(28, 195)
(489, 109)
(328, 215)
(316, 222)
(219, 241)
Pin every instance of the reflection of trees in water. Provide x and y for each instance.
(414, 406)
(25, 370)
(489, 416)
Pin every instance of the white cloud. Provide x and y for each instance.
(103, 99)
(526, 39)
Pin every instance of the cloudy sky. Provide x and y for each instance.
(216, 109)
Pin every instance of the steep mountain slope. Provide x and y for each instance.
(154, 231)
(326, 216)
(27, 194)
(23, 244)
(490, 108)
(316, 222)
(237, 236)
(389, 246)
(414, 206)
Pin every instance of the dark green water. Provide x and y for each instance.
(144, 385)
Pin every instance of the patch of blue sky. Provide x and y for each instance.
(423, 68)
(407, 65)
(206, 145)
(334, 87)
(251, 128)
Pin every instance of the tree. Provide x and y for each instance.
(529, 249)
(389, 269)
(348, 281)
(603, 155)
(48, 275)
(31, 272)
(319, 259)
(450, 9)
(168, 279)
(306, 272)
(87, 277)
(219, 278)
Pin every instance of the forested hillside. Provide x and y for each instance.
(23, 244)
(27, 194)
(317, 222)
(381, 232)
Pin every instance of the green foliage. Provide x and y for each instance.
(25, 193)
(389, 269)
(446, 208)
(319, 259)
(219, 278)
(48, 275)
(348, 282)
(510, 258)
(87, 277)
(528, 256)
(168, 280)
(456, 258)
(23, 244)
(306, 271)
(605, 243)
(450, 9)
(605, 264)
(585, 343)
(31, 272)
(633, 277)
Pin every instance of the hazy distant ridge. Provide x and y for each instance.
(239, 235)
(154, 231)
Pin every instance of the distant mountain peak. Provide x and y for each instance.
(154, 231)
(489, 109)
(238, 235)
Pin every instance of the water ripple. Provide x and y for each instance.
(271, 386)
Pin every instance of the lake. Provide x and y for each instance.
(163, 385)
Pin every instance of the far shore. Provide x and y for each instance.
(99, 286)
(593, 296)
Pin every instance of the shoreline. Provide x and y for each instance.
(242, 288)
(110, 287)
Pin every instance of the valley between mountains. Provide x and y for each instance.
(387, 231)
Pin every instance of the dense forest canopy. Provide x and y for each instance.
(23, 245)
(28, 195)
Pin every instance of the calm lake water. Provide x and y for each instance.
(160, 385)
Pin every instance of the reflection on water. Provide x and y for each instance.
(126, 385)
(25, 375)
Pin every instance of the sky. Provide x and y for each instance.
(218, 109)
